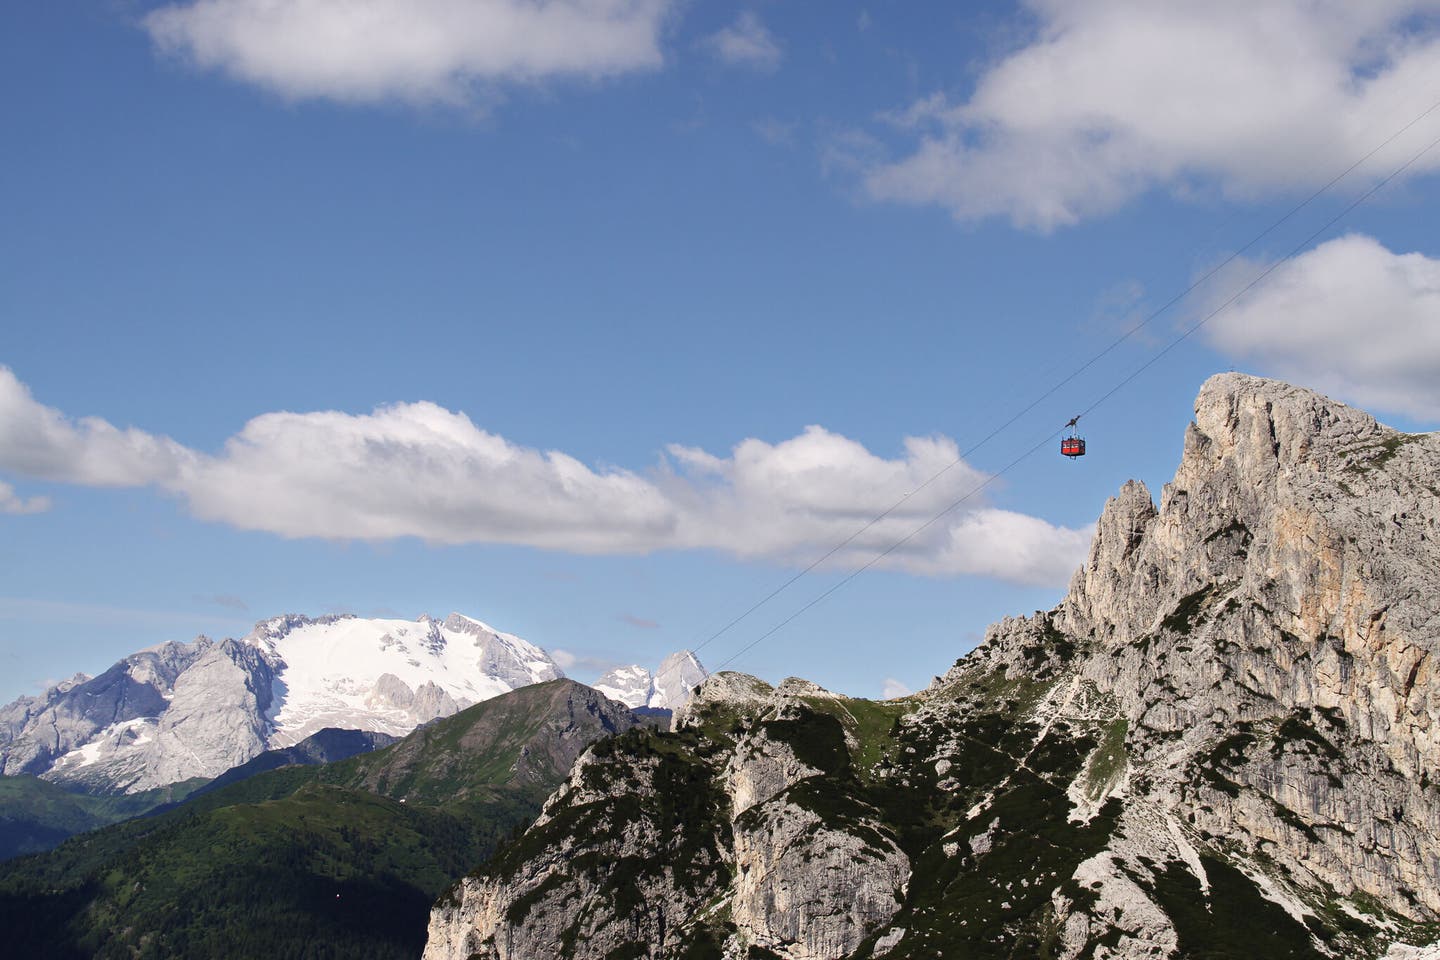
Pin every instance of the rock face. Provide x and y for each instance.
(179, 710)
(36, 731)
(1221, 743)
(1283, 603)
(659, 829)
(668, 688)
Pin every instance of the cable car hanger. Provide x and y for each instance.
(1073, 445)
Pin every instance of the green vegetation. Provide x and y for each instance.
(37, 815)
(1107, 763)
(1056, 650)
(342, 860)
(1377, 455)
(1236, 530)
(1234, 921)
(869, 725)
(332, 872)
(997, 903)
(648, 784)
(1183, 617)
(1297, 729)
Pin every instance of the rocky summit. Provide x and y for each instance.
(185, 710)
(668, 688)
(1222, 743)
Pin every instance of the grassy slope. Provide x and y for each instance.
(341, 860)
(958, 903)
(36, 815)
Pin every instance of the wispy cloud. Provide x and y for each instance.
(27, 609)
(226, 600)
(418, 51)
(775, 132)
(582, 663)
(13, 503)
(747, 43)
(893, 688)
(418, 470)
(1349, 317)
(1110, 99)
(640, 622)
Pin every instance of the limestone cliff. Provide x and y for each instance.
(1221, 743)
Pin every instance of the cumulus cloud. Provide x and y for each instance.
(747, 43)
(12, 503)
(40, 442)
(418, 470)
(1349, 317)
(419, 51)
(1113, 98)
(893, 688)
(583, 663)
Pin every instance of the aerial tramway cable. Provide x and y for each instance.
(1146, 321)
(1049, 438)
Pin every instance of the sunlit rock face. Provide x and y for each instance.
(1222, 742)
(184, 710)
(668, 688)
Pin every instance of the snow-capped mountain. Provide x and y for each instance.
(668, 688)
(181, 710)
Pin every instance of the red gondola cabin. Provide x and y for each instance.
(1072, 447)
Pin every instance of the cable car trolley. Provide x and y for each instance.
(1072, 445)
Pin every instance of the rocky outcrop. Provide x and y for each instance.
(736, 815)
(1284, 600)
(422, 705)
(1222, 743)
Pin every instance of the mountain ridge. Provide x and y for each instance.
(343, 859)
(177, 711)
(1220, 743)
(667, 688)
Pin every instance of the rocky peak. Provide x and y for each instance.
(1225, 741)
(723, 692)
(459, 623)
(278, 628)
(1277, 487)
(668, 688)
(676, 677)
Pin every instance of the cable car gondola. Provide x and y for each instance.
(1073, 445)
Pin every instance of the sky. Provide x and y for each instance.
(602, 320)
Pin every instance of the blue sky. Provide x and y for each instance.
(599, 320)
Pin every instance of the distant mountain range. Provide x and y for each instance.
(182, 711)
(340, 859)
(1221, 744)
(668, 688)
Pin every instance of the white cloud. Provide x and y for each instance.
(1113, 98)
(775, 132)
(40, 442)
(893, 688)
(747, 43)
(14, 504)
(417, 470)
(418, 51)
(583, 663)
(1348, 317)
